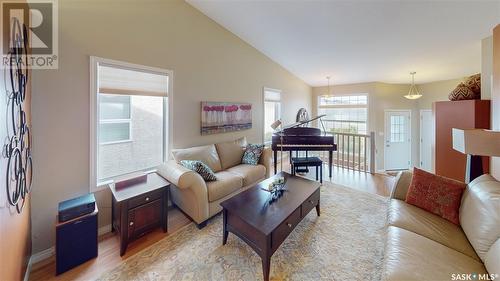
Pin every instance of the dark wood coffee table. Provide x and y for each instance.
(264, 225)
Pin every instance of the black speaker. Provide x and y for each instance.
(76, 241)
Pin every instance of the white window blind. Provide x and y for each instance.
(272, 111)
(122, 81)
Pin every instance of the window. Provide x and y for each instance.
(272, 111)
(344, 114)
(398, 128)
(114, 119)
(130, 117)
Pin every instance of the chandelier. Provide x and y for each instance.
(413, 93)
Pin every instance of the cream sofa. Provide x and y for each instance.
(199, 199)
(423, 246)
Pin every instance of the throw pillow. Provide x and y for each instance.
(436, 194)
(474, 83)
(252, 154)
(462, 92)
(201, 168)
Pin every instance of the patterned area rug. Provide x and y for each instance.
(345, 243)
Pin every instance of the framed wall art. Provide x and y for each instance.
(221, 117)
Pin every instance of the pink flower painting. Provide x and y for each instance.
(220, 117)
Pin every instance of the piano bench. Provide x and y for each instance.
(308, 162)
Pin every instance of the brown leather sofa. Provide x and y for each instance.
(199, 199)
(423, 246)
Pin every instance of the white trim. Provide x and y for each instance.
(116, 142)
(43, 255)
(264, 89)
(132, 66)
(94, 111)
(420, 141)
(28, 269)
(409, 136)
(93, 123)
(48, 253)
(272, 90)
(103, 230)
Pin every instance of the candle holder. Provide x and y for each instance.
(276, 189)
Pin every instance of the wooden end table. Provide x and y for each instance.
(264, 225)
(139, 208)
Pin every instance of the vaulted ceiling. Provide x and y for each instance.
(362, 41)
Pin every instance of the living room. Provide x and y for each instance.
(188, 109)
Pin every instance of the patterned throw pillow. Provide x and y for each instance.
(252, 154)
(463, 92)
(201, 168)
(474, 83)
(436, 194)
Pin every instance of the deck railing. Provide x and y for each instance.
(355, 151)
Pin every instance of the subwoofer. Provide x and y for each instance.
(76, 241)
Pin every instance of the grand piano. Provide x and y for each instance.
(298, 137)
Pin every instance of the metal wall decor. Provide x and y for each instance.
(18, 141)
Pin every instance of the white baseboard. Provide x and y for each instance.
(104, 229)
(28, 269)
(47, 253)
(43, 255)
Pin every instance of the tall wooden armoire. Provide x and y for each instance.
(468, 114)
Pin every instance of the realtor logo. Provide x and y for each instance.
(36, 21)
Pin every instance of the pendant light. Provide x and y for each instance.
(413, 93)
(328, 89)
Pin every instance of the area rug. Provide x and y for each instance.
(345, 243)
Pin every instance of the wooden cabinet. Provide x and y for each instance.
(140, 208)
(469, 114)
(143, 218)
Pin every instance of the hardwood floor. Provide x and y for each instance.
(109, 247)
(109, 253)
(380, 184)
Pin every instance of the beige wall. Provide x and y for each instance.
(383, 96)
(436, 91)
(209, 64)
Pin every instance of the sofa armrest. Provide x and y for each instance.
(180, 176)
(190, 191)
(266, 159)
(401, 185)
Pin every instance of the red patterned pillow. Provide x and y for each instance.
(436, 194)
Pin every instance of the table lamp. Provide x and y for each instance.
(274, 126)
(476, 143)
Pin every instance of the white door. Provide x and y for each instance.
(397, 139)
(426, 139)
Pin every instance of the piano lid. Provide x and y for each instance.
(296, 124)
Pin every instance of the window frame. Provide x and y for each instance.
(277, 113)
(95, 184)
(347, 106)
